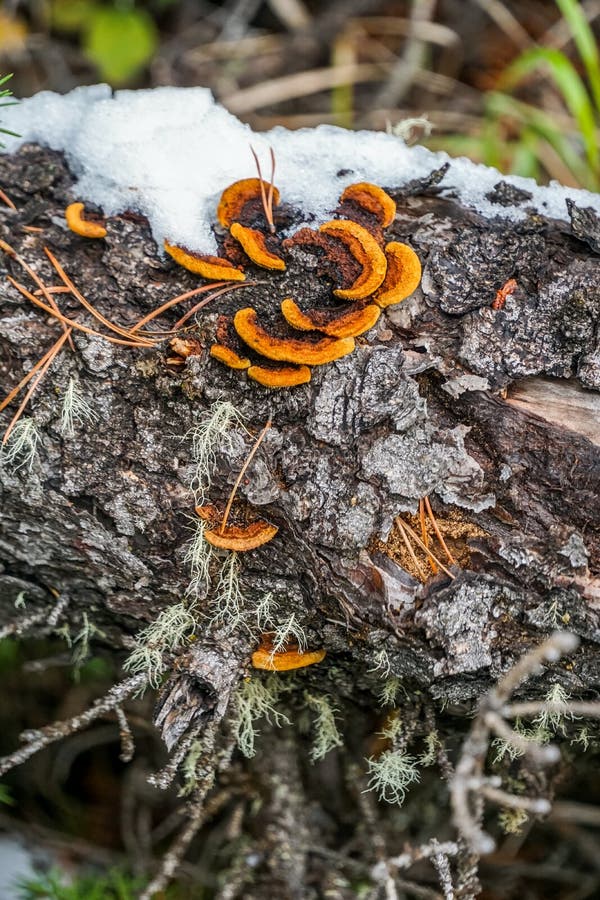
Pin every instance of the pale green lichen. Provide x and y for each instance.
(391, 774)
(389, 691)
(198, 557)
(326, 734)
(511, 821)
(255, 699)
(168, 631)
(286, 632)
(227, 602)
(21, 448)
(381, 663)
(75, 408)
(207, 436)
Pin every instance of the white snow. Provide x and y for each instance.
(168, 153)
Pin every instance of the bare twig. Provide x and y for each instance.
(26, 623)
(466, 785)
(126, 735)
(238, 480)
(37, 739)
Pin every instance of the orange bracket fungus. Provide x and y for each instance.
(77, 223)
(254, 245)
(285, 660)
(304, 351)
(212, 267)
(229, 357)
(279, 376)
(403, 275)
(365, 250)
(372, 198)
(241, 537)
(278, 351)
(340, 323)
(235, 197)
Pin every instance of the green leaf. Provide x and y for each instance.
(570, 85)
(120, 42)
(585, 43)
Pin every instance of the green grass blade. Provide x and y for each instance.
(543, 124)
(585, 42)
(570, 86)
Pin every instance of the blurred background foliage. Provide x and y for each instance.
(512, 83)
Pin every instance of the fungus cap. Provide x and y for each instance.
(229, 357)
(334, 322)
(286, 660)
(241, 537)
(254, 245)
(234, 198)
(403, 275)
(212, 267)
(372, 198)
(294, 350)
(279, 376)
(81, 226)
(367, 252)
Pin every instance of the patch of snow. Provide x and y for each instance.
(168, 153)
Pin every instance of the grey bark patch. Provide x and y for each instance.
(460, 619)
(585, 224)
(506, 194)
(473, 267)
(419, 462)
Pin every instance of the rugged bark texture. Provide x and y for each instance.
(493, 413)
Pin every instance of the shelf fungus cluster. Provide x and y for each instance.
(278, 344)
(240, 536)
(284, 660)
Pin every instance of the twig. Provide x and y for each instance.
(418, 540)
(238, 480)
(439, 534)
(465, 795)
(126, 736)
(425, 534)
(37, 739)
(535, 707)
(230, 287)
(48, 360)
(35, 277)
(22, 625)
(174, 856)
(7, 201)
(267, 200)
(157, 312)
(87, 305)
(73, 323)
(412, 554)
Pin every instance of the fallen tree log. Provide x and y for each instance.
(485, 403)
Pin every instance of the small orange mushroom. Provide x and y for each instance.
(229, 357)
(234, 198)
(365, 249)
(212, 267)
(403, 275)
(241, 537)
(372, 198)
(305, 352)
(340, 323)
(76, 222)
(263, 658)
(279, 376)
(254, 245)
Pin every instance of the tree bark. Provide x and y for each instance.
(493, 413)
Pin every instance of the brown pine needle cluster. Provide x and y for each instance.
(43, 297)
